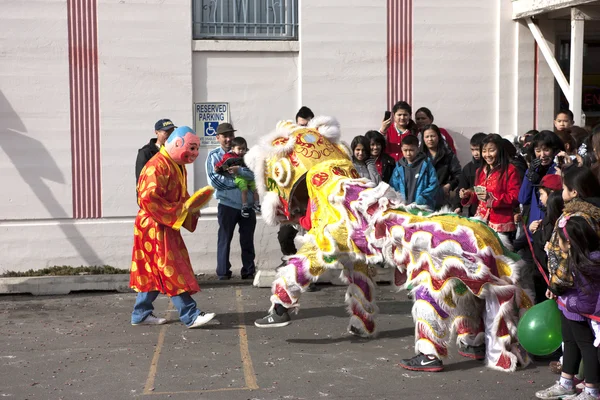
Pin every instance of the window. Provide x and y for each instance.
(245, 19)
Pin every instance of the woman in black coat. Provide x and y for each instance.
(446, 163)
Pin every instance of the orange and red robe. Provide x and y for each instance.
(160, 261)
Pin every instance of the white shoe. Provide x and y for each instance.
(202, 319)
(151, 320)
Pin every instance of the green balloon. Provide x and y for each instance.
(539, 330)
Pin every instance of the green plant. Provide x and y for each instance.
(65, 270)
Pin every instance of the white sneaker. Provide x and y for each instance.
(202, 319)
(151, 320)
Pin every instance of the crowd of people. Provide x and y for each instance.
(540, 191)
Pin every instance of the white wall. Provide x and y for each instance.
(454, 68)
(35, 135)
(343, 47)
(144, 74)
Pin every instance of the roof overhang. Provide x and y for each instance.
(529, 8)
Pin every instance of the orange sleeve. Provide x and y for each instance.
(153, 196)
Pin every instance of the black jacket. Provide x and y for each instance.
(520, 164)
(447, 167)
(467, 181)
(387, 167)
(539, 239)
(144, 155)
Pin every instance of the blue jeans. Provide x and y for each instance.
(228, 218)
(184, 303)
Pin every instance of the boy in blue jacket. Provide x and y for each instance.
(414, 176)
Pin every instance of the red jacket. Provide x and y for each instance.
(393, 139)
(503, 197)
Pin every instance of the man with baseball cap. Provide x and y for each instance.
(162, 128)
(229, 211)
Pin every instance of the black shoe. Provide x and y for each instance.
(356, 332)
(225, 278)
(424, 363)
(251, 276)
(273, 320)
(474, 352)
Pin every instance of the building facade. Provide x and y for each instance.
(83, 81)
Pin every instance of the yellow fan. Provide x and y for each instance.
(199, 199)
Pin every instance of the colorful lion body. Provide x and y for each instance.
(463, 278)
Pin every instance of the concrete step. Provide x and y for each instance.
(265, 278)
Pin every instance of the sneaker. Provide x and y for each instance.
(581, 396)
(151, 320)
(256, 207)
(273, 321)
(246, 212)
(421, 362)
(250, 276)
(355, 332)
(554, 392)
(474, 352)
(201, 319)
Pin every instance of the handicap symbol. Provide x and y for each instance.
(210, 128)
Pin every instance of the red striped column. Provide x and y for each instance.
(399, 51)
(85, 118)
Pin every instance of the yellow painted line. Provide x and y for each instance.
(249, 374)
(154, 365)
(201, 391)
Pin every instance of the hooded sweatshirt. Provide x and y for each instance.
(416, 182)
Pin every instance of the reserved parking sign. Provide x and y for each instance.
(208, 117)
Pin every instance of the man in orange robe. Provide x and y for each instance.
(160, 261)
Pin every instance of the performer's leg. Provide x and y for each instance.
(503, 351)
(466, 316)
(227, 217)
(189, 313)
(360, 298)
(432, 324)
(432, 331)
(286, 236)
(292, 279)
(143, 307)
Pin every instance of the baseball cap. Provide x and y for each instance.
(224, 128)
(552, 182)
(164, 125)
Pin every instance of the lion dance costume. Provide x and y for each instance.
(462, 276)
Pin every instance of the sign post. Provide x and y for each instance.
(207, 117)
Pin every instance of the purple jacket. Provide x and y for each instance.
(584, 298)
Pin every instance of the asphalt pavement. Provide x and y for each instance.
(83, 346)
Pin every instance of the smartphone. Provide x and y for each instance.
(387, 115)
